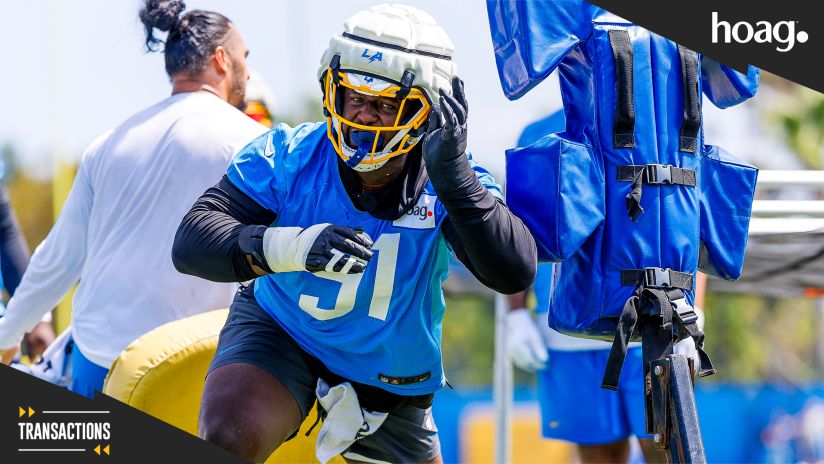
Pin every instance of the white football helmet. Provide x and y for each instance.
(394, 51)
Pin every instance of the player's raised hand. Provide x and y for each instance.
(321, 247)
(446, 134)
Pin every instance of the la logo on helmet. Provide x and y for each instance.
(377, 56)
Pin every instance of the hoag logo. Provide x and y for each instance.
(782, 32)
(421, 212)
(419, 216)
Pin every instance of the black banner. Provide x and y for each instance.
(785, 38)
(43, 423)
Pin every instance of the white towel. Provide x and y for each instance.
(345, 422)
(55, 365)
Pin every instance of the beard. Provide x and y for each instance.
(237, 92)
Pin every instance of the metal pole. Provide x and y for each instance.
(502, 386)
(686, 445)
(797, 225)
(788, 207)
(798, 178)
(808, 215)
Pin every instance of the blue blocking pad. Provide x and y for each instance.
(629, 186)
(727, 187)
(569, 204)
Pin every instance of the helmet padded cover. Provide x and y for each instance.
(398, 26)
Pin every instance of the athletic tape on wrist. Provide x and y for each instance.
(286, 248)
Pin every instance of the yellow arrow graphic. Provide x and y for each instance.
(31, 411)
(97, 450)
(106, 450)
(22, 412)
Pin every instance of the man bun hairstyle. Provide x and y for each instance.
(191, 38)
(162, 15)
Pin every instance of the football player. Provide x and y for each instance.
(346, 227)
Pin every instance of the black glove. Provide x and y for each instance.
(446, 134)
(340, 244)
(444, 150)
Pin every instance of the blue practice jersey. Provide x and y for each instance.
(381, 327)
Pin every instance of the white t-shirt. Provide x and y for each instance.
(115, 232)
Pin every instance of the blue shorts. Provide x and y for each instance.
(87, 377)
(575, 408)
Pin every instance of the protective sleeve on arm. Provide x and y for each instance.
(217, 233)
(14, 253)
(55, 266)
(484, 234)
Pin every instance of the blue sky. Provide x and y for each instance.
(73, 69)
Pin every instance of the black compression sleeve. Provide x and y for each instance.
(509, 265)
(221, 228)
(491, 241)
(14, 253)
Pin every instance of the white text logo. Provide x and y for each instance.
(782, 32)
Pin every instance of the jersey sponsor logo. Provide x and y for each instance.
(420, 216)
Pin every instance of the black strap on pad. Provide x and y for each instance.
(691, 124)
(658, 299)
(651, 174)
(624, 131)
